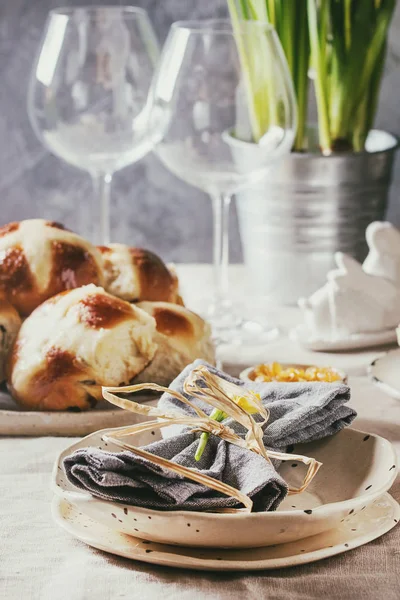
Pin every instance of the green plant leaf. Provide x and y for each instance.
(317, 20)
(345, 43)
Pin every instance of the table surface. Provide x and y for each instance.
(39, 561)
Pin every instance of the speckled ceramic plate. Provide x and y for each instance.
(354, 342)
(385, 373)
(246, 374)
(377, 519)
(357, 469)
(15, 421)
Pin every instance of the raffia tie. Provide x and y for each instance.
(218, 393)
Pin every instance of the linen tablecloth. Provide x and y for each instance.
(39, 561)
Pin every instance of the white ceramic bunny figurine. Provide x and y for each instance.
(352, 301)
(383, 259)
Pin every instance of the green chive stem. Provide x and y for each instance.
(216, 415)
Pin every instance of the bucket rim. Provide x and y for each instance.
(391, 148)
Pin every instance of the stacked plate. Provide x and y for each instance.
(346, 506)
(385, 373)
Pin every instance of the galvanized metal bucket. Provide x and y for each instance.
(309, 207)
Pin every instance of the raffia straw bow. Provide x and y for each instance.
(219, 393)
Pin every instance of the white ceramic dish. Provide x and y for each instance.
(246, 374)
(358, 468)
(16, 421)
(385, 373)
(377, 519)
(357, 341)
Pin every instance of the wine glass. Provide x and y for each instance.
(225, 103)
(88, 94)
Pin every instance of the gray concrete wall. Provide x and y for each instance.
(150, 206)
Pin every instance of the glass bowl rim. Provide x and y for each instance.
(68, 11)
(205, 26)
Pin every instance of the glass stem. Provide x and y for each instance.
(221, 204)
(101, 194)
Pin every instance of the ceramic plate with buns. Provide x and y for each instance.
(75, 317)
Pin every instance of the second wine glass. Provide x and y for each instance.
(88, 96)
(226, 102)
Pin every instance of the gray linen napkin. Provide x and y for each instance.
(131, 479)
(299, 413)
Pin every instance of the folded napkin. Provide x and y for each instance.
(298, 413)
(131, 479)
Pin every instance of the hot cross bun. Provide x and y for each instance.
(10, 322)
(135, 274)
(181, 337)
(73, 344)
(39, 259)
